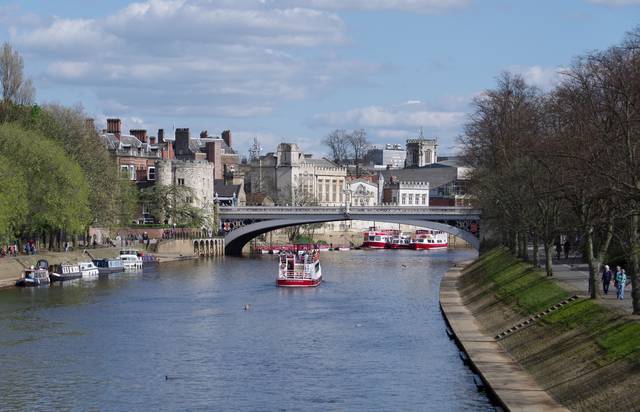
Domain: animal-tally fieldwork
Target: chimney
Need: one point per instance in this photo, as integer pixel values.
(160, 136)
(152, 140)
(182, 141)
(89, 124)
(113, 126)
(226, 136)
(213, 156)
(140, 134)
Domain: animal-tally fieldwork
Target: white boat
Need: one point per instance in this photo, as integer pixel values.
(299, 269)
(131, 259)
(88, 269)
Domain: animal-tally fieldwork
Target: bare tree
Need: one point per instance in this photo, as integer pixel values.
(359, 146)
(338, 143)
(15, 88)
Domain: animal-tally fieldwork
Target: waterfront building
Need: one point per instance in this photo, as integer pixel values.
(136, 153)
(363, 192)
(291, 177)
(447, 179)
(406, 193)
(194, 174)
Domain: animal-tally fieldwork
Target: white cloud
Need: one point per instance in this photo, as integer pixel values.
(396, 123)
(543, 77)
(194, 57)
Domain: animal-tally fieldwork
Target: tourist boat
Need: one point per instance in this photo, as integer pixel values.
(88, 270)
(343, 248)
(376, 239)
(108, 266)
(401, 241)
(64, 271)
(299, 269)
(131, 259)
(323, 248)
(430, 239)
(35, 276)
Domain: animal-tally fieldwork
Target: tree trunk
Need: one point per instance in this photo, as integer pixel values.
(591, 262)
(548, 258)
(524, 246)
(534, 258)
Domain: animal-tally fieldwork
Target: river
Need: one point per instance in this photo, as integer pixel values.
(178, 337)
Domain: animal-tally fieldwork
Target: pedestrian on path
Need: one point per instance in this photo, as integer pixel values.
(567, 248)
(621, 282)
(558, 249)
(606, 279)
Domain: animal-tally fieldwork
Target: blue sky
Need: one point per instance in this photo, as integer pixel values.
(287, 70)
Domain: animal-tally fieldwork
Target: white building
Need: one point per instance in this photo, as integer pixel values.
(291, 177)
(407, 193)
(363, 193)
(194, 174)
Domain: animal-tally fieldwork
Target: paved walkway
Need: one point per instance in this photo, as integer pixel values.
(506, 378)
(574, 276)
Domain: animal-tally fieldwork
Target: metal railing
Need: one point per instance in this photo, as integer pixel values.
(353, 210)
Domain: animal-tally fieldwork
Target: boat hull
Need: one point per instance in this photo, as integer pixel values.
(399, 246)
(56, 277)
(428, 246)
(374, 245)
(298, 283)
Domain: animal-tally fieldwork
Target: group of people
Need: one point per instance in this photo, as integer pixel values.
(12, 249)
(619, 278)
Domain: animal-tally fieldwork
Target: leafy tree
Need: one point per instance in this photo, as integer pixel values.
(171, 203)
(13, 198)
(57, 195)
(15, 88)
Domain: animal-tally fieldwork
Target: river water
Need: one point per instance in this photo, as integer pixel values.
(177, 337)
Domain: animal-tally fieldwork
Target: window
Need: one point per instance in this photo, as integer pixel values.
(189, 200)
(180, 181)
(132, 172)
(404, 199)
(320, 192)
(326, 190)
(424, 199)
(124, 171)
(410, 198)
(334, 187)
(151, 173)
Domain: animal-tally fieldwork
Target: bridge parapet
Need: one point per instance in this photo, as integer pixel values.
(353, 210)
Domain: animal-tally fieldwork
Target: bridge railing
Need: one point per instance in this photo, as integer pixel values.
(353, 210)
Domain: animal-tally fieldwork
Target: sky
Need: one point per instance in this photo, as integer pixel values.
(293, 71)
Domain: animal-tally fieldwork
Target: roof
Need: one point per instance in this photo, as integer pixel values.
(436, 174)
(256, 198)
(324, 162)
(221, 190)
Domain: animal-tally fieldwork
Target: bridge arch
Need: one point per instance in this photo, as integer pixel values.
(238, 238)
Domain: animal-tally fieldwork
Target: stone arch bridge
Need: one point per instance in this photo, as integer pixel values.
(241, 224)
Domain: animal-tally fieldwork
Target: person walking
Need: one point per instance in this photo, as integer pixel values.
(606, 279)
(558, 249)
(567, 248)
(621, 282)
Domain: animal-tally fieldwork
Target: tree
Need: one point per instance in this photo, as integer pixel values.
(13, 199)
(15, 88)
(359, 146)
(171, 203)
(338, 143)
(57, 195)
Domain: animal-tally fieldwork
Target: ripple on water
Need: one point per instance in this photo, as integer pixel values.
(177, 337)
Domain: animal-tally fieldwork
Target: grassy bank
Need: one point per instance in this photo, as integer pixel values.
(586, 355)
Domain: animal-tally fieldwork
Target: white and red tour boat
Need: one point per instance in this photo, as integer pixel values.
(377, 239)
(299, 269)
(430, 239)
(402, 241)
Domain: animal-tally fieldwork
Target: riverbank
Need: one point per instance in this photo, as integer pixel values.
(11, 267)
(583, 354)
